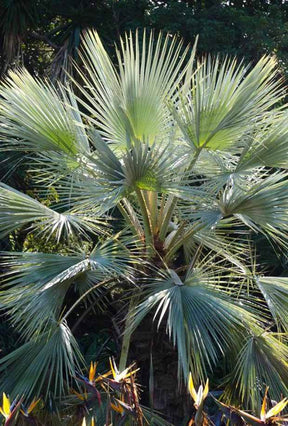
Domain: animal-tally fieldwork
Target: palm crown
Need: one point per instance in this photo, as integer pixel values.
(193, 155)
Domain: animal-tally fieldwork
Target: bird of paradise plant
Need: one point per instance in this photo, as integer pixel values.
(10, 411)
(5, 410)
(26, 411)
(128, 395)
(200, 418)
(270, 416)
(91, 423)
(118, 397)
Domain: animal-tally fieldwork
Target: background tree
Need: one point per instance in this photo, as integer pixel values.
(49, 31)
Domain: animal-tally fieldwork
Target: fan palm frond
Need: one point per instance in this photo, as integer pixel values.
(46, 364)
(34, 291)
(223, 97)
(201, 319)
(262, 206)
(35, 117)
(262, 362)
(130, 104)
(275, 292)
(36, 283)
(18, 209)
(267, 146)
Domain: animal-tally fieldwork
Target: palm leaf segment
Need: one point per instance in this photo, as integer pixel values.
(198, 303)
(184, 151)
(130, 105)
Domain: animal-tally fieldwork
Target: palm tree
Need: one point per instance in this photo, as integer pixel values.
(193, 156)
(15, 18)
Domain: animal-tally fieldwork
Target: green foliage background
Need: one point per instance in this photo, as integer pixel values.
(38, 32)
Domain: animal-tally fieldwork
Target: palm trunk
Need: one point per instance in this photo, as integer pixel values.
(127, 334)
